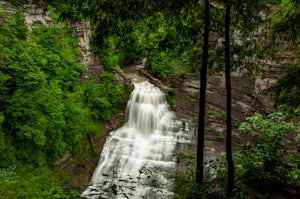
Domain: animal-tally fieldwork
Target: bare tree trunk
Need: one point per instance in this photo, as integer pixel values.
(228, 108)
(201, 119)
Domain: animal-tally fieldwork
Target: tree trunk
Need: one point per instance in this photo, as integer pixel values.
(201, 119)
(228, 108)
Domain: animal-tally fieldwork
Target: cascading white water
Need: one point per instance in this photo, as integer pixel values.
(138, 159)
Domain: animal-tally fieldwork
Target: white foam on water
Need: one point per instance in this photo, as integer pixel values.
(136, 159)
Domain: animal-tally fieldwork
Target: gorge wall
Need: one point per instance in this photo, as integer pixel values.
(249, 95)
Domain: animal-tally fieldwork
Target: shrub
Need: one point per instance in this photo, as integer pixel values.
(266, 160)
(171, 95)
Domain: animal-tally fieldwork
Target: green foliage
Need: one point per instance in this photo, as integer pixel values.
(31, 184)
(275, 1)
(38, 75)
(110, 89)
(185, 182)
(216, 114)
(287, 28)
(108, 55)
(171, 95)
(287, 88)
(102, 98)
(45, 110)
(266, 161)
(17, 2)
(245, 50)
(285, 24)
(124, 31)
(169, 40)
(164, 64)
(186, 186)
(168, 43)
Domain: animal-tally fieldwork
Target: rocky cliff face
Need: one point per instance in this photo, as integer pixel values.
(82, 32)
(36, 15)
(249, 96)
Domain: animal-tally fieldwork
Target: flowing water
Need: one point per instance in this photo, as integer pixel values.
(138, 159)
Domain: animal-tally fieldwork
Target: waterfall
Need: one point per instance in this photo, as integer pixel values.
(137, 160)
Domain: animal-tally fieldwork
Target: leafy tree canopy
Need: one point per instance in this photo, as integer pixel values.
(287, 28)
(45, 109)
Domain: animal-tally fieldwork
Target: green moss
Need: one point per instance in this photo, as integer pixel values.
(171, 95)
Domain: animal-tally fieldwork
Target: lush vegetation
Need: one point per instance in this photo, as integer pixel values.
(45, 111)
(41, 182)
(267, 162)
(286, 28)
(269, 154)
(166, 41)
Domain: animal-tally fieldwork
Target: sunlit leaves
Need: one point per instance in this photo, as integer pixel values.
(97, 95)
(46, 110)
